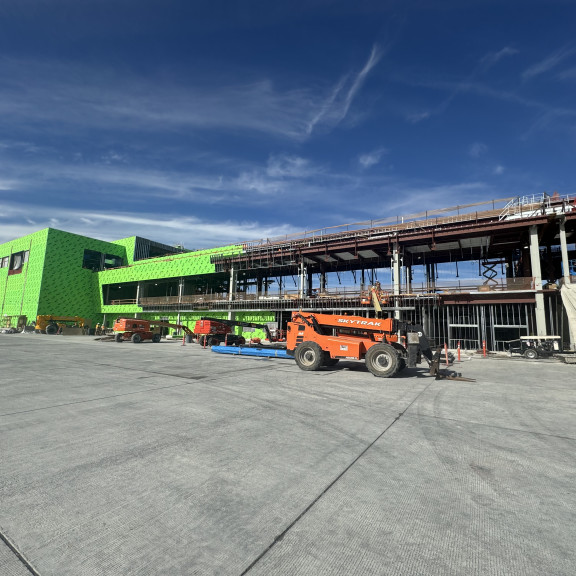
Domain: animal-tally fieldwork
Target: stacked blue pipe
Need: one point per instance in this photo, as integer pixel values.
(250, 351)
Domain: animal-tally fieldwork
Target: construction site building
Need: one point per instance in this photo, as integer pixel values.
(475, 275)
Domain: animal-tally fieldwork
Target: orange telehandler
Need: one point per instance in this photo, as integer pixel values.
(386, 345)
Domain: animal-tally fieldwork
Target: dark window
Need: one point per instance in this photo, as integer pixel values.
(92, 260)
(4, 262)
(97, 261)
(17, 262)
(111, 261)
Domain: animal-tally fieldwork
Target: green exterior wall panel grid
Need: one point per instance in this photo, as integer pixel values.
(20, 293)
(68, 288)
(164, 267)
(128, 244)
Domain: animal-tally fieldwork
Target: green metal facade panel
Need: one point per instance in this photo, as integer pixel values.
(163, 267)
(20, 293)
(170, 266)
(129, 245)
(69, 289)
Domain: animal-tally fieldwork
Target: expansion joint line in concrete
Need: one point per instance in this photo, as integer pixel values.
(26, 563)
(281, 536)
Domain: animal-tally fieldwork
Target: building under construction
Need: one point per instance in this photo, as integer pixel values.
(479, 274)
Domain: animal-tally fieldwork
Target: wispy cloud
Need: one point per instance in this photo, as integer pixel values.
(551, 118)
(548, 115)
(70, 97)
(336, 106)
(290, 166)
(548, 63)
(494, 57)
(167, 227)
(112, 180)
(8, 184)
(485, 64)
(372, 158)
(498, 170)
(569, 74)
(477, 149)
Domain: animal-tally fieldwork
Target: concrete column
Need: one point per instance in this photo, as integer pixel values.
(396, 268)
(408, 279)
(564, 250)
(180, 290)
(138, 292)
(537, 275)
(302, 280)
(322, 282)
(397, 279)
(233, 281)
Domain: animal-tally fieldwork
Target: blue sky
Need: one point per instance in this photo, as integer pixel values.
(209, 122)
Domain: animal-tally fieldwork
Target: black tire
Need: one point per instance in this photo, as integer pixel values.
(52, 329)
(531, 354)
(202, 340)
(213, 341)
(382, 360)
(401, 364)
(328, 361)
(309, 356)
(136, 338)
(156, 338)
(118, 337)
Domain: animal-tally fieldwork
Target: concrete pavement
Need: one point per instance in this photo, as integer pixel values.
(163, 459)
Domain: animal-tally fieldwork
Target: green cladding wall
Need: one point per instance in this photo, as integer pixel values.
(53, 281)
(68, 289)
(19, 293)
(163, 267)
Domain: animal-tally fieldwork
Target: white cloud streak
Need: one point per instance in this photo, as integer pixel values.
(70, 97)
(477, 149)
(548, 63)
(336, 107)
(494, 57)
(372, 158)
(498, 170)
(486, 63)
(16, 221)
